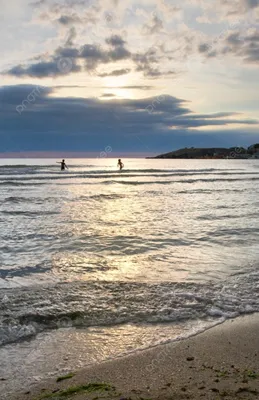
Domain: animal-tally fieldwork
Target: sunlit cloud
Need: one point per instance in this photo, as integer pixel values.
(110, 56)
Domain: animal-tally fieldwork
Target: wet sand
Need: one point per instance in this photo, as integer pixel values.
(221, 363)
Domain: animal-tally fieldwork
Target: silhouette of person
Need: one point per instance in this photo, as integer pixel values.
(63, 165)
(120, 164)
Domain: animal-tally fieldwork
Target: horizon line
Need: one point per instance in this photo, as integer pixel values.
(74, 154)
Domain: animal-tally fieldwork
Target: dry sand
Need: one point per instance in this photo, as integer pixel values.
(221, 363)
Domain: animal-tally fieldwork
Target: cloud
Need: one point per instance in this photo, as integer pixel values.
(117, 72)
(244, 46)
(169, 10)
(252, 3)
(38, 3)
(13, 95)
(43, 69)
(64, 14)
(119, 53)
(108, 95)
(154, 72)
(71, 37)
(70, 52)
(173, 37)
(87, 17)
(115, 40)
(92, 55)
(147, 63)
(155, 25)
(69, 19)
(137, 87)
(87, 124)
(204, 48)
(70, 59)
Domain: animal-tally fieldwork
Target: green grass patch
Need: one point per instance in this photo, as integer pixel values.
(63, 378)
(250, 374)
(89, 388)
(222, 374)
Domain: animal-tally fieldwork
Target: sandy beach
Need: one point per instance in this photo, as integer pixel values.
(221, 363)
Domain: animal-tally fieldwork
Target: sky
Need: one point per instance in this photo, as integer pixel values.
(146, 76)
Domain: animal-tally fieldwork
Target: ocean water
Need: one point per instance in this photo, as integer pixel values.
(96, 263)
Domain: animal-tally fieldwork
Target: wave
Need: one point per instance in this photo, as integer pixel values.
(50, 171)
(48, 181)
(210, 217)
(22, 272)
(29, 213)
(12, 183)
(113, 196)
(85, 304)
(19, 199)
(14, 199)
(209, 191)
(158, 182)
(103, 196)
(19, 166)
(98, 175)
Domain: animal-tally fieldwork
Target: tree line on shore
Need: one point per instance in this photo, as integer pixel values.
(214, 152)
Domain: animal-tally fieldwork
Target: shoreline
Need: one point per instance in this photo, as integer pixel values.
(222, 362)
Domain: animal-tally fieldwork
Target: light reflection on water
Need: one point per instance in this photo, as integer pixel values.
(179, 223)
(136, 258)
(55, 354)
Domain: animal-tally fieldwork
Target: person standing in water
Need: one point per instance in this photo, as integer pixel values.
(120, 164)
(63, 165)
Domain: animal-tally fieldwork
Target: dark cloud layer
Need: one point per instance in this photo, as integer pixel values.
(33, 120)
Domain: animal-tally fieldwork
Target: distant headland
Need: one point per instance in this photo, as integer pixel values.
(214, 153)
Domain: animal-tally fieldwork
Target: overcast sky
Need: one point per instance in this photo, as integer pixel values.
(144, 76)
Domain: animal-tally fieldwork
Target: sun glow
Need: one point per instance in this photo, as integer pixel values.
(119, 86)
(119, 93)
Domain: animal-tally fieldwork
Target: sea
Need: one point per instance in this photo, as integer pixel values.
(97, 263)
